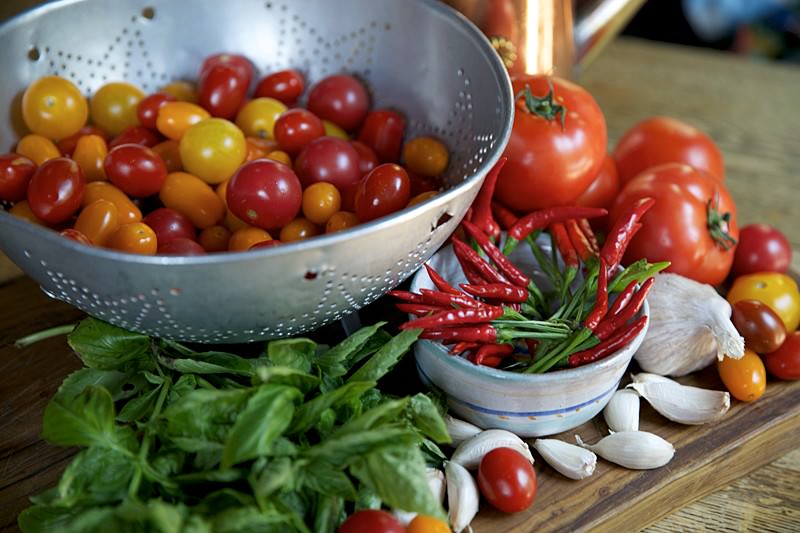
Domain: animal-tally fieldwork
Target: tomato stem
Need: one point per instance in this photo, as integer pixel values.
(544, 107)
(718, 226)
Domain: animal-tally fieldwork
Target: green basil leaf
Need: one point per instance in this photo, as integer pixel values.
(341, 448)
(284, 375)
(328, 513)
(201, 419)
(426, 417)
(138, 407)
(223, 499)
(213, 363)
(250, 520)
(367, 498)
(46, 519)
(229, 475)
(295, 353)
(386, 412)
(334, 361)
(168, 462)
(96, 476)
(325, 478)
(385, 358)
(153, 515)
(276, 475)
(121, 385)
(309, 413)
(374, 344)
(105, 347)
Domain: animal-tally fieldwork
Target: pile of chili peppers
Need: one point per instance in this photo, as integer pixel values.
(501, 309)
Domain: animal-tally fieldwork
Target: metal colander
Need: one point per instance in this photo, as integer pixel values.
(418, 56)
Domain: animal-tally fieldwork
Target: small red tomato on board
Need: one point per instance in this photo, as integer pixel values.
(778, 291)
(295, 128)
(745, 378)
(383, 131)
(328, 159)
(265, 193)
(372, 521)
(147, 111)
(507, 480)
(761, 248)
(383, 191)
(284, 85)
(242, 65)
(660, 140)
(560, 133)
(221, 91)
(55, 190)
(136, 135)
(761, 327)
(784, 363)
(15, 173)
(135, 169)
(170, 225)
(342, 99)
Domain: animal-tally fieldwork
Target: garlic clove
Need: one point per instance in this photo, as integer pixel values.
(470, 452)
(570, 460)
(436, 483)
(682, 403)
(462, 496)
(622, 411)
(643, 377)
(460, 430)
(638, 450)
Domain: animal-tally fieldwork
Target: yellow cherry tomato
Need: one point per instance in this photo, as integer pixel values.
(745, 378)
(214, 239)
(426, 156)
(134, 238)
(54, 107)
(778, 291)
(427, 524)
(103, 190)
(332, 130)
(281, 157)
(242, 239)
(320, 201)
(341, 220)
(169, 152)
(181, 90)
(257, 117)
(37, 148)
(422, 197)
(90, 153)
(174, 118)
(98, 221)
(298, 229)
(23, 210)
(113, 106)
(193, 198)
(259, 148)
(213, 149)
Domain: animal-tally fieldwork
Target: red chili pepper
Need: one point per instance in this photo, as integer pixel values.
(440, 282)
(418, 309)
(588, 232)
(482, 206)
(579, 240)
(601, 300)
(498, 291)
(489, 352)
(407, 296)
(565, 248)
(456, 317)
(469, 257)
(623, 230)
(623, 299)
(504, 264)
(504, 216)
(542, 218)
(461, 347)
(479, 333)
(472, 275)
(613, 323)
(608, 346)
(432, 297)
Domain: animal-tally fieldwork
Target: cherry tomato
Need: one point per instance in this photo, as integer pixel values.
(265, 193)
(257, 117)
(342, 99)
(258, 148)
(367, 158)
(183, 91)
(134, 238)
(98, 221)
(426, 156)
(169, 152)
(232, 222)
(239, 62)
(745, 378)
(54, 107)
(778, 291)
(214, 238)
(67, 145)
(372, 520)
(55, 190)
(114, 105)
(384, 190)
(784, 363)
(686, 226)
(383, 131)
(213, 149)
(22, 209)
(328, 159)
(193, 198)
(659, 140)
(135, 169)
(15, 173)
(265, 244)
(147, 110)
(421, 184)
(174, 118)
(90, 154)
(75, 235)
(298, 229)
(102, 190)
(136, 135)
(245, 238)
(422, 197)
(296, 128)
(37, 148)
(281, 157)
(320, 201)
(221, 90)
(180, 246)
(332, 130)
(427, 524)
(507, 480)
(284, 85)
(761, 248)
(761, 327)
(540, 148)
(341, 220)
(170, 225)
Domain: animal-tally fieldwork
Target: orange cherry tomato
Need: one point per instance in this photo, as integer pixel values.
(777, 290)
(242, 239)
(232, 222)
(90, 153)
(102, 190)
(214, 239)
(427, 524)
(257, 117)
(213, 149)
(181, 90)
(23, 210)
(320, 201)
(745, 378)
(298, 229)
(426, 156)
(193, 198)
(422, 197)
(54, 107)
(113, 107)
(135, 238)
(98, 221)
(341, 220)
(168, 151)
(37, 148)
(174, 118)
(280, 156)
(258, 148)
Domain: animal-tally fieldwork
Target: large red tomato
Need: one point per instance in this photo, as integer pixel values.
(557, 144)
(692, 224)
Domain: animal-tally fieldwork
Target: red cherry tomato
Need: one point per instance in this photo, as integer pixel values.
(384, 190)
(264, 193)
(15, 173)
(761, 248)
(784, 363)
(507, 480)
(660, 140)
(342, 99)
(75, 235)
(222, 90)
(170, 225)
(383, 131)
(180, 246)
(284, 85)
(135, 169)
(242, 65)
(421, 184)
(136, 135)
(328, 159)
(147, 111)
(56, 190)
(761, 327)
(367, 158)
(296, 128)
(67, 145)
(372, 521)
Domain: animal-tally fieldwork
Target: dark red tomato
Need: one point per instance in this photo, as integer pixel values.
(170, 225)
(135, 169)
(686, 225)
(328, 159)
(507, 480)
(371, 521)
(784, 363)
(383, 131)
(296, 128)
(56, 190)
(342, 99)
(242, 65)
(147, 111)
(761, 248)
(136, 135)
(67, 145)
(15, 173)
(265, 193)
(221, 91)
(367, 158)
(75, 235)
(421, 184)
(660, 140)
(284, 85)
(761, 327)
(552, 157)
(180, 247)
(384, 190)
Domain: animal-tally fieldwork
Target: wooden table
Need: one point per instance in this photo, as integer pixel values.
(749, 110)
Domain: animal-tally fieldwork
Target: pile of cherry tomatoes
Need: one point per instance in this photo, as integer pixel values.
(212, 166)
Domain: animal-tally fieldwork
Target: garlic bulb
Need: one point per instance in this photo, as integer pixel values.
(570, 460)
(637, 450)
(622, 411)
(690, 326)
(682, 403)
